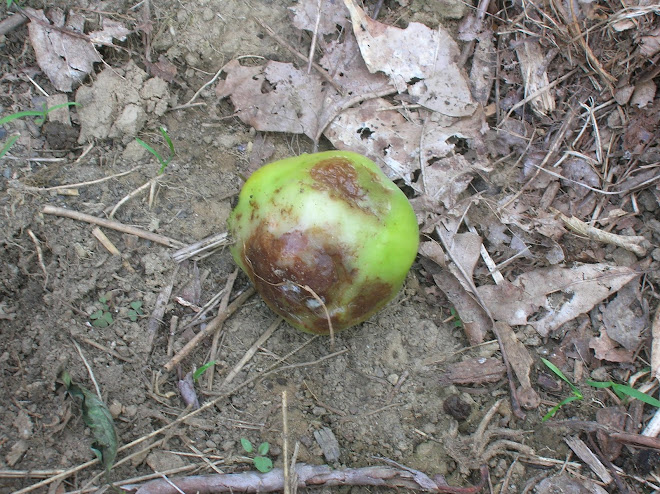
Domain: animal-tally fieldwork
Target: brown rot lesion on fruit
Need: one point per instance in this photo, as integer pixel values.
(372, 297)
(341, 180)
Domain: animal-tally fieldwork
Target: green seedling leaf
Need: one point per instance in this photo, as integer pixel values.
(197, 374)
(263, 464)
(163, 162)
(561, 375)
(263, 448)
(35, 113)
(577, 395)
(556, 408)
(168, 140)
(10, 142)
(98, 418)
(135, 310)
(247, 445)
(622, 389)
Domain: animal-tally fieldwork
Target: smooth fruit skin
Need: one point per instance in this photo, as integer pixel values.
(327, 227)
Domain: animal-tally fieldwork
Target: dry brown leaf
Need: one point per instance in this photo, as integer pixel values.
(333, 14)
(68, 58)
(644, 94)
(477, 370)
(347, 68)
(611, 418)
(625, 317)
(377, 129)
(445, 179)
(111, 30)
(417, 59)
(476, 322)
(554, 295)
(274, 97)
(650, 44)
(521, 363)
(64, 58)
(605, 348)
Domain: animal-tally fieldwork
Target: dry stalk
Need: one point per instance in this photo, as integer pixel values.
(285, 443)
(634, 243)
(113, 225)
(40, 255)
(209, 329)
(251, 351)
(205, 245)
(216, 336)
(130, 196)
(28, 188)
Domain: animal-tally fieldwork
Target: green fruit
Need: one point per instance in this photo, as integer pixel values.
(326, 231)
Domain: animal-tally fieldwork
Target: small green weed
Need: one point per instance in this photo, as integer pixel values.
(577, 395)
(261, 462)
(622, 391)
(43, 114)
(456, 321)
(163, 162)
(102, 318)
(99, 420)
(198, 373)
(135, 311)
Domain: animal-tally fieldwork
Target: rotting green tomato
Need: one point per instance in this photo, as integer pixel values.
(326, 231)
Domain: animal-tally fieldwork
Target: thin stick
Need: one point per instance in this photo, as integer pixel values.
(634, 243)
(89, 370)
(40, 255)
(251, 351)
(72, 186)
(199, 91)
(210, 328)
(105, 241)
(205, 245)
(285, 443)
(131, 195)
(216, 336)
(12, 22)
(104, 349)
(156, 317)
(314, 35)
(113, 225)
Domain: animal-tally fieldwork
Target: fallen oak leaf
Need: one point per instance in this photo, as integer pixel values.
(418, 59)
(556, 295)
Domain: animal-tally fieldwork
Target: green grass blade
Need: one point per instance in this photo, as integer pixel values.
(61, 105)
(626, 390)
(168, 140)
(554, 409)
(151, 150)
(202, 369)
(10, 142)
(561, 375)
(20, 114)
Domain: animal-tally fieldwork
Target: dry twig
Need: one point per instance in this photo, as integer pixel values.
(208, 330)
(308, 476)
(113, 225)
